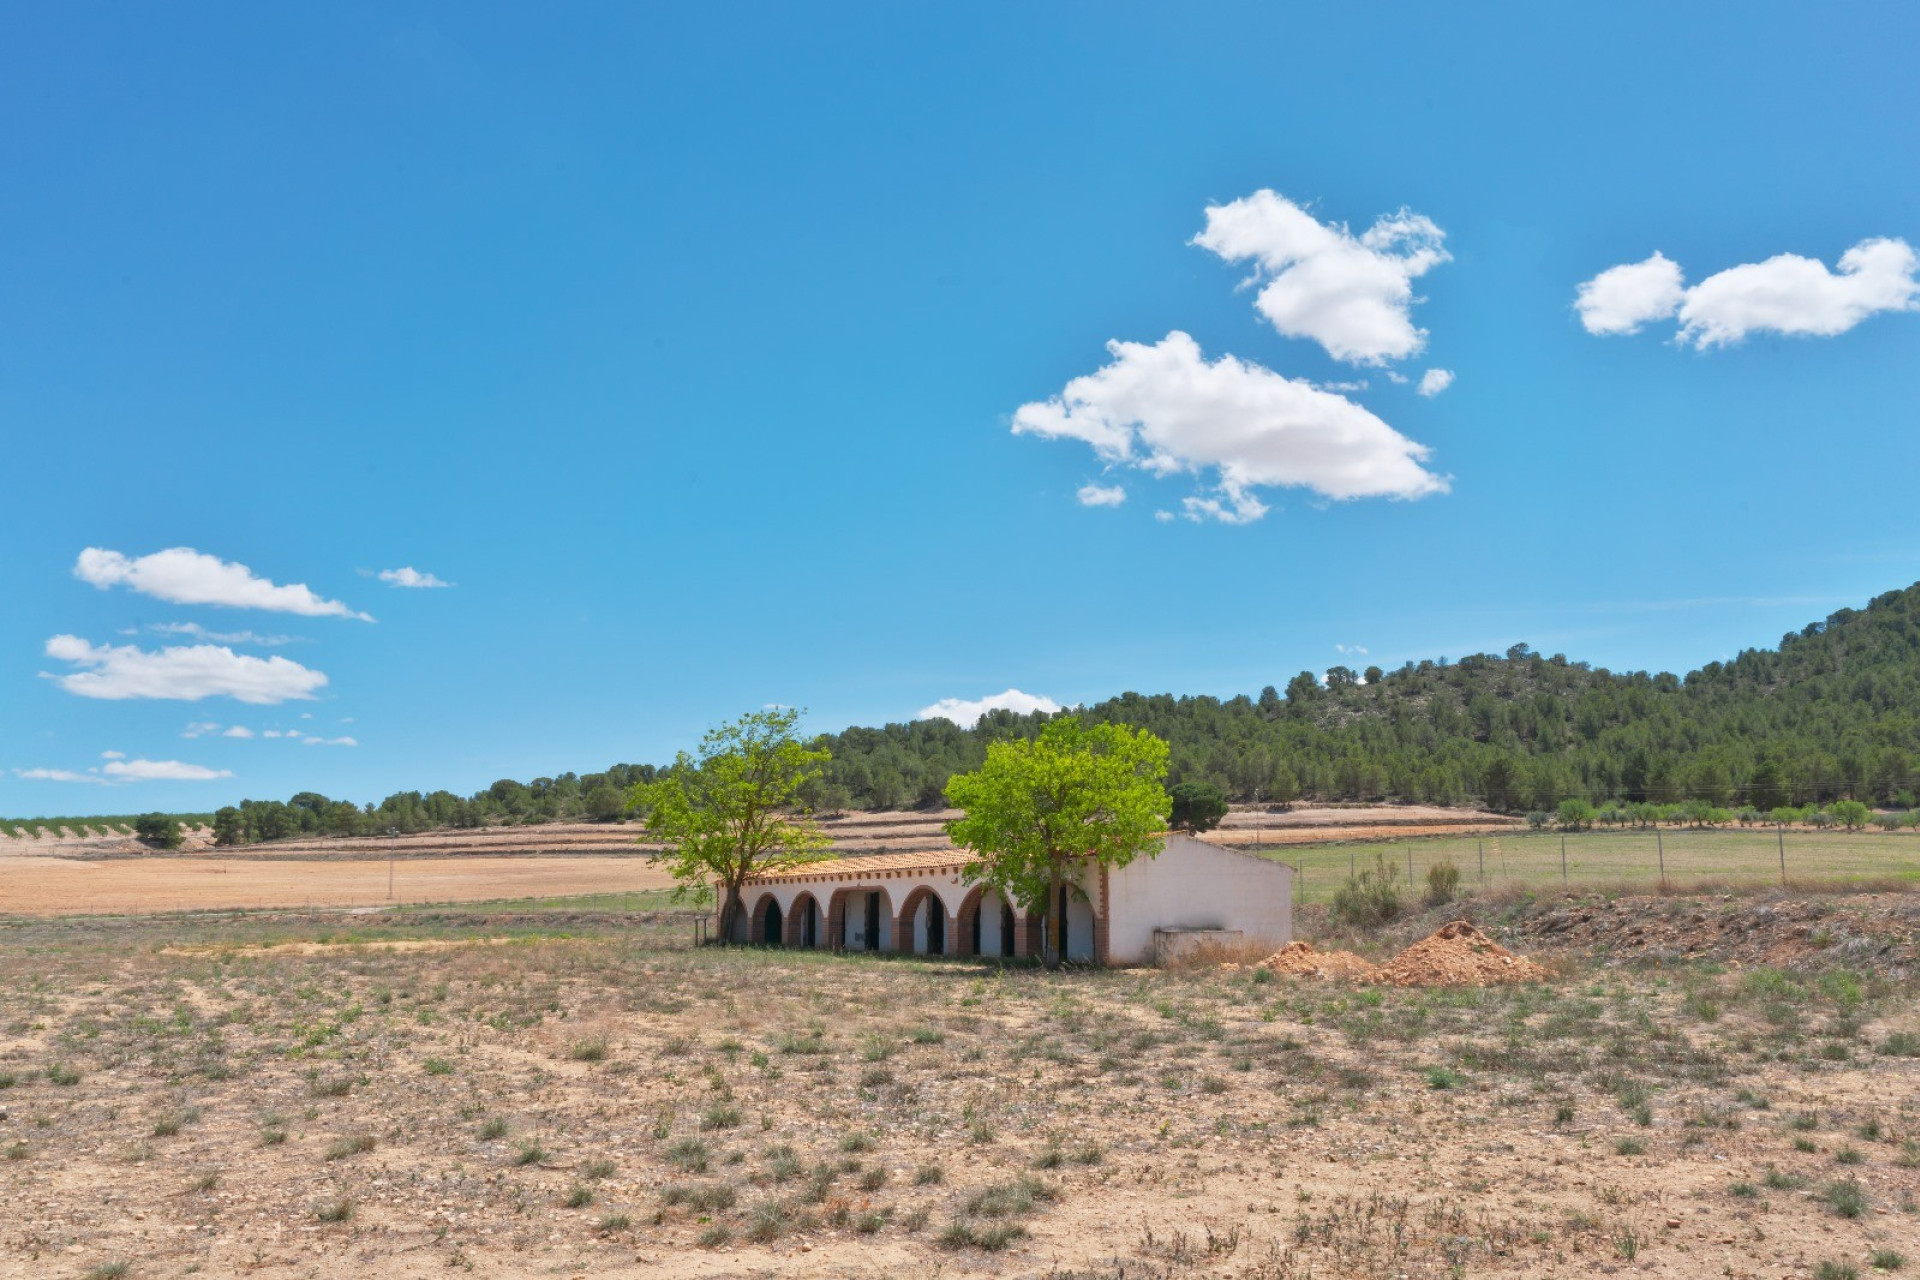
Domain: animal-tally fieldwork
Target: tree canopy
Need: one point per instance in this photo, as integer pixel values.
(1070, 793)
(735, 810)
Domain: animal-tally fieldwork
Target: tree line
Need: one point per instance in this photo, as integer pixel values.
(1832, 714)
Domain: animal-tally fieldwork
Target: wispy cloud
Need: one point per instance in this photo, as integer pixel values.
(410, 577)
(119, 770)
(195, 631)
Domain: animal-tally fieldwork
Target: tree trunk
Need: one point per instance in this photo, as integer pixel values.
(729, 912)
(1052, 951)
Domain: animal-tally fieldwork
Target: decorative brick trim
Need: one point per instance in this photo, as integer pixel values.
(1101, 928)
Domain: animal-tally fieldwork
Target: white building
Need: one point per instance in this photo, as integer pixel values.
(922, 903)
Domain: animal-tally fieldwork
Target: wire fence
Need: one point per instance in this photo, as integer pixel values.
(1647, 859)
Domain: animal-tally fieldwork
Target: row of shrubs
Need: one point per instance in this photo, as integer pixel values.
(1372, 897)
(1576, 815)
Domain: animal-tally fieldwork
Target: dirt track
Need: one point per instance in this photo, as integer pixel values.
(66, 886)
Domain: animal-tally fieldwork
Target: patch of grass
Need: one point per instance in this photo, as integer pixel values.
(579, 1196)
(1887, 1259)
(705, 1197)
(592, 1049)
(1010, 1199)
(873, 1179)
(689, 1154)
(858, 1141)
(991, 1237)
(18, 1151)
(169, 1123)
(1830, 1270)
(1848, 1155)
(1805, 1122)
(437, 1067)
(1630, 1147)
(1743, 1190)
(529, 1151)
(1805, 1146)
(928, 1175)
(493, 1129)
(597, 1170)
(720, 1115)
(1846, 1197)
(1775, 1180)
(768, 1221)
(929, 1035)
(357, 1144)
(114, 1270)
(63, 1075)
(1443, 1078)
(1901, 1044)
(336, 1210)
(715, 1235)
(613, 1222)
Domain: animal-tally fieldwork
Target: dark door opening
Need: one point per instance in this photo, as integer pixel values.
(936, 929)
(1066, 930)
(770, 931)
(873, 922)
(976, 930)
(810, 925)
(1006, 929)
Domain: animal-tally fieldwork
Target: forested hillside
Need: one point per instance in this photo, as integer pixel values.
(1833, 713)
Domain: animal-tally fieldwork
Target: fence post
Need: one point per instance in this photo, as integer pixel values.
(1783, 852)
(1563, 859)
(1409, 864)
(1483, 860)
(1661, 845)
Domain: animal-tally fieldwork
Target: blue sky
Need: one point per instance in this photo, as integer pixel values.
(688, 347)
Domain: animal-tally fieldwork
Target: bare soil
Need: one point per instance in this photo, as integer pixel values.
(572, 1094)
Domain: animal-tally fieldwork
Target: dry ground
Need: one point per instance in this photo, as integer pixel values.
(577, 1093)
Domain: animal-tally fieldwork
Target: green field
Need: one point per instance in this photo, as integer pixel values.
(1630, 859)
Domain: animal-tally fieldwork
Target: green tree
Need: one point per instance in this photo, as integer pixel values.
(229, 828)
(1576, 813)
(1074, 793)
(1851, 814)
(159, 830)
(604, 803)
(734, 810)
(1197, 806)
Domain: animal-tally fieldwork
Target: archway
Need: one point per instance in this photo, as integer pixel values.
(763, 922)
(922, 925)
(860, 918)
(805, 928)
(1076, 944)
(984, 924)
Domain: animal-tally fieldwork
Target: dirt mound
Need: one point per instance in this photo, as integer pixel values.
(1457, 955)
(1300, 960)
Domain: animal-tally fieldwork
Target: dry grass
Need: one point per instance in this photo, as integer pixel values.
(615, 1102)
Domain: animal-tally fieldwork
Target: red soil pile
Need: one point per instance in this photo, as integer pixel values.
(1300, 960)
(1457, 955)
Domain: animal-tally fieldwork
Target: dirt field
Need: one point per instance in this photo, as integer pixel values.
(65, 886)
(583, 1094)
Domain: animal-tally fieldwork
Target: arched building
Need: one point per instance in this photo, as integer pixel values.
(921, 903)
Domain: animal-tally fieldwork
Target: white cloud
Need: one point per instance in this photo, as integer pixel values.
(162, 771)
(1166, 410)
(1351, 649)
(1351, 294)
(1101, 495)
(966, 714)
(198, 632)
(1786, 294)
(182, 575)
(1622, 299)
(113, 755)
(200, 728)
(57, 775)
(236, 731)
(183, 673)
(410, 577)
(1434, 381)
(313, 741)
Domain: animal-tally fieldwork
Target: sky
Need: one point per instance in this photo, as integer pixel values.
(408, 396)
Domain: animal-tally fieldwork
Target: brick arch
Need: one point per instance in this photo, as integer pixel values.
(796, 925)
(837, 910)
(903, 922)
(757, 921)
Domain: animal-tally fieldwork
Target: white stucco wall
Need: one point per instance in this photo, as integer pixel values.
(1195, 885)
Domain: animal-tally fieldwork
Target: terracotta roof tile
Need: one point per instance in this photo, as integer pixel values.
(859, 868)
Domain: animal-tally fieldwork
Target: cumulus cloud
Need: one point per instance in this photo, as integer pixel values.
(161, 771)
(1786, 294)
(181, 575)
(1434, 381)
(1351, 294)
(410, 577)
(184, 673)
(1166, 410)
(57, 775)
(1624, 298)
(967, 713)
(1101, 495)
(313, 741)
(236, 731)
